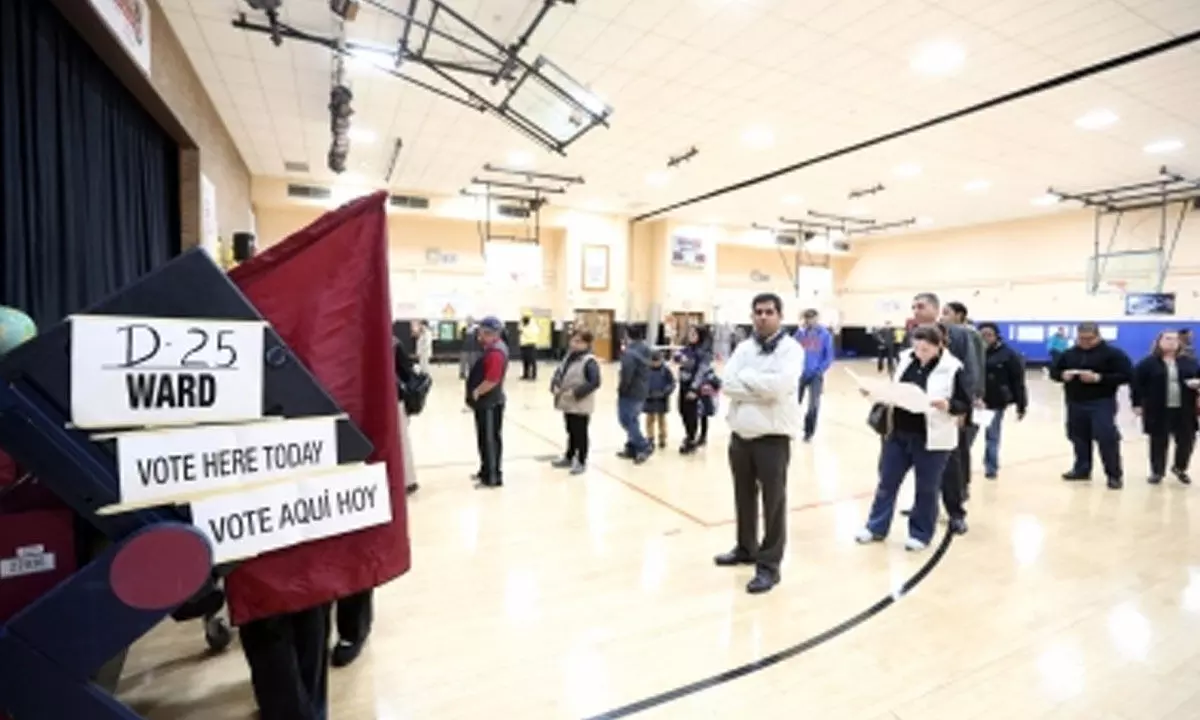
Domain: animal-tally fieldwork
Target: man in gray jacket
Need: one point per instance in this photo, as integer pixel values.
(927, 311)
(955, 314)
(632, 388)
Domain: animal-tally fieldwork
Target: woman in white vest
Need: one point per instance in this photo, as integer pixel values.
(574, 387)
(919, 438)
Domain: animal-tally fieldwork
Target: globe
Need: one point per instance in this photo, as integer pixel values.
(15, 328)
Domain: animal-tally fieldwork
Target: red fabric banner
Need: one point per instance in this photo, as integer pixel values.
(325, 290)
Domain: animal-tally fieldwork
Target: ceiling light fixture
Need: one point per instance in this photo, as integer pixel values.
(1096, 119)
(1046, 200)
(938, 58)
(758, 137)
(520, 159)
(977, 186)
(657, 179)
(1161, 147)
(907, 170)
(791, 199)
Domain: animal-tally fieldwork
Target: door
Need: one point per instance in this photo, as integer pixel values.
(599, 323)
(681, 321)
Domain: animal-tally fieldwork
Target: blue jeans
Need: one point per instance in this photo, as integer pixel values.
(901, 452)
(815, 385)
(991, 443)
(1095, 421)
(628, 412)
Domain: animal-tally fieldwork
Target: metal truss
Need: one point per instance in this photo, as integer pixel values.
(521, 187)
(1170, 188)
(820, 223)
(481, 56)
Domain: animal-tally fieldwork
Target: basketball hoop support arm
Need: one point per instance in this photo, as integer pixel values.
(1170, 188)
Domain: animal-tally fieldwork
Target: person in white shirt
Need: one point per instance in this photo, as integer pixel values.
(760, 381)
(424, 346)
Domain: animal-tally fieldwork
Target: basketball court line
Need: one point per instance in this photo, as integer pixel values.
(787, 653)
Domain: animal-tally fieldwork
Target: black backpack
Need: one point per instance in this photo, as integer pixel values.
(414, 392)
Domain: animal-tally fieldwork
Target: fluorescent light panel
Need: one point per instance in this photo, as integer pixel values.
(1096, 119)
(939, 58)
(1160, 147)
(907, 170)
(977, 185)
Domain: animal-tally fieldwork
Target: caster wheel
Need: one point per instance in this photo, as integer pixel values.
(217, 634)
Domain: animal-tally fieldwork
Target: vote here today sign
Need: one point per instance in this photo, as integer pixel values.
(159, 467)
(144, 371)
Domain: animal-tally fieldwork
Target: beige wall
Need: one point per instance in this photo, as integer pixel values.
(177, 83)
(1025, 269)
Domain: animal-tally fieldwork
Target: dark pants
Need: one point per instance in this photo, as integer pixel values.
(761, 463)
(695, 420)
(956, 474)
(887, 354)
(289, 664)
(899, 453)
(577, 436)
(1174, 424)
(354, 617)
(1090, 422)
(966, 439)
(489, 426)
(629, 410)
(815, 385)
(529, 362)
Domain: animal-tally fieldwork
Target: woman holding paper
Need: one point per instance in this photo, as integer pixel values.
(928, 399)
(1163, 392)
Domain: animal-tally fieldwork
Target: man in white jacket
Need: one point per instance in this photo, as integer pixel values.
(760, 381)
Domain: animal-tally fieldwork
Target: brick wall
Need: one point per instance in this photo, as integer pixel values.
(218, 157)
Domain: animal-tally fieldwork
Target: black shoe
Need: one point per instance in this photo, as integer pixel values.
(807, 438)
(345, 653)
(411, 489)
(733, 557)
(625, 455)
(1154, 479)
(642, 457)
(662, 443)
(1115, 483)
(562, 462)
(990, 475)
(958, 526)
(701, 442)
(687, 448)
(1072, 476)
(764, 580)
(906, 512)
(490, 483)
(1182, 476)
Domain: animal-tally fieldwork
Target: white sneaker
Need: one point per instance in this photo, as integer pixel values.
(914, 545)
(865, 537)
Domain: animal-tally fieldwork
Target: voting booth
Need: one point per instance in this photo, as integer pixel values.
(177, 422)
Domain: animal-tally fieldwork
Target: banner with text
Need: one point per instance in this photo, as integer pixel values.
(276, 516)
(137, 372)
(167, 466)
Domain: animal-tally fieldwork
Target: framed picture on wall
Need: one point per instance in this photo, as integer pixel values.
(594, 275)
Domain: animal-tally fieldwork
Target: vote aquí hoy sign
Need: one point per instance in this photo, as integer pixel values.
(182, 399)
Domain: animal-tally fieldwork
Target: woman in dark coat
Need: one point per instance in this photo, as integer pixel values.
(1164, 396)
(695, 364)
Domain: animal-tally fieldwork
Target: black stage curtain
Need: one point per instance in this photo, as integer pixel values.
(89, 182)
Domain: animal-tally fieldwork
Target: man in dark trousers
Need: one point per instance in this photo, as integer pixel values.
(530, 333)
(955, 313)
(1091, 373)
(760, 381)
(633, 386)
(926, 309)
(485, 395)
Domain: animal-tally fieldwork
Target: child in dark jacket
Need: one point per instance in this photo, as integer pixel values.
(662, 384)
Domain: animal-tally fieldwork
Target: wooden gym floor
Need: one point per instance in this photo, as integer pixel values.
(570, 597)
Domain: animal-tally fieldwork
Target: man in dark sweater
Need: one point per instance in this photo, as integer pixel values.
(485, 396)
(1091, 373)
(632, 389)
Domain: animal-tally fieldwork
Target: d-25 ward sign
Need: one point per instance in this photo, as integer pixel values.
(142, 371)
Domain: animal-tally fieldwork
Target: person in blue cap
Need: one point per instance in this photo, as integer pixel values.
(485, 396)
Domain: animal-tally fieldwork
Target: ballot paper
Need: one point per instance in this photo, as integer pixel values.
(905, 396)
(982, 417)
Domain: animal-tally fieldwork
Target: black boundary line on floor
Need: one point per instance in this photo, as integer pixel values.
(785, 654)
(1027, 91)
